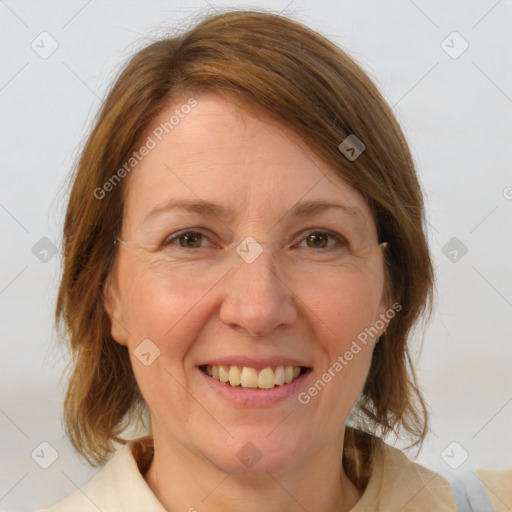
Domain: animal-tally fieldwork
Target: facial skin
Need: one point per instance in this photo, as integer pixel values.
(293, 301)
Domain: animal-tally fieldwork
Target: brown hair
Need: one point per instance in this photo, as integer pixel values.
(307, 83)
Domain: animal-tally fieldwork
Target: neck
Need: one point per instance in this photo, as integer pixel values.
(186, 481)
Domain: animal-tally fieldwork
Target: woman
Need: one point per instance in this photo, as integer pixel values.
(244, 259)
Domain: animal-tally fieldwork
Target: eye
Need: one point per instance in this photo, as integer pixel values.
(320, 240)
(186, 240)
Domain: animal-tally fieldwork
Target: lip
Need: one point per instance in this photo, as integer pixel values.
(250, 397)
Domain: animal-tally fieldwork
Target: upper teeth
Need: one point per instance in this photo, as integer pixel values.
(247, 377)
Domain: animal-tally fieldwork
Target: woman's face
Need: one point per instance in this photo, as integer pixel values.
(204, 307)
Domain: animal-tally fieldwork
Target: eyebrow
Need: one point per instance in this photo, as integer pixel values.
(302, 209)
(317, 206)
(190, 205)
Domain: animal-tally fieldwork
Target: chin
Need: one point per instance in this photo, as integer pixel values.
(256, 454)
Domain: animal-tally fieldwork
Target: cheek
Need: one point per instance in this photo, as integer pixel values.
(167, 313)
(345, 305)
(343, 313)
(157, 307)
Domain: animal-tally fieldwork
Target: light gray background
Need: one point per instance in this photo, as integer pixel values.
(456, 113)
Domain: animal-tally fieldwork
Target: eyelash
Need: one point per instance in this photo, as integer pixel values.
(169, 240)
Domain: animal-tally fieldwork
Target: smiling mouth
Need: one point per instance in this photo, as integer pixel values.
(247, 377)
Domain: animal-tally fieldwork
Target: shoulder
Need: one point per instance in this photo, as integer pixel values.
(119, 486)
(397, 483)
(498, 484)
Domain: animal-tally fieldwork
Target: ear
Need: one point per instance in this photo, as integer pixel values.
(388, 307)
(114, 309)
(382, 321)
(385, 312)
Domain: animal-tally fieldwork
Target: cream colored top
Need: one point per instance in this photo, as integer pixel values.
(498, 485)
(396, 484)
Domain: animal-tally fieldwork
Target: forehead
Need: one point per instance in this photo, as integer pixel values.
(222, 153)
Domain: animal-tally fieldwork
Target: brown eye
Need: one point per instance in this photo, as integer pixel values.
(323, 240)
(317, 240)
(190, 240)
(186, 240)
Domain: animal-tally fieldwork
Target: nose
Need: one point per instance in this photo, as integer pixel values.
(257, 299)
